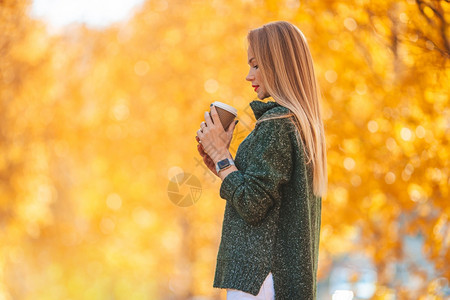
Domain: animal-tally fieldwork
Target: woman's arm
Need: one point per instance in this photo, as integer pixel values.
(269, 165)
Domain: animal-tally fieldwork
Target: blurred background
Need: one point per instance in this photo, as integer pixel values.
(104, 196)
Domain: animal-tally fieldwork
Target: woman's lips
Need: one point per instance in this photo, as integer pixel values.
(256, 87)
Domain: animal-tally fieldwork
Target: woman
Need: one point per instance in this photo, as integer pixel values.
(273, 192)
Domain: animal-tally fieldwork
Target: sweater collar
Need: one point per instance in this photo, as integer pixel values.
(260, 107)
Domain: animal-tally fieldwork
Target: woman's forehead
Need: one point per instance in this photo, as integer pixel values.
(249, 52)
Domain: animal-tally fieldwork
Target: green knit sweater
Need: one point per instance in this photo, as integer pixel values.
(272, 219)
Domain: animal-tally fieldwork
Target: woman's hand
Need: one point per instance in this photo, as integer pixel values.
(214, 139)
(206, 159)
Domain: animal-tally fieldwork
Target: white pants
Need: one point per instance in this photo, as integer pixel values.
(266, 292)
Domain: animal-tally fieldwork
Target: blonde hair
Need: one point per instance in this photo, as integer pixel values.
(287, 72)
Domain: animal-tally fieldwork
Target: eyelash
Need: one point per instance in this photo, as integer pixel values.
(256, 67)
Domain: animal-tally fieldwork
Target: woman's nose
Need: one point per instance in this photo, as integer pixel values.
(249, 77)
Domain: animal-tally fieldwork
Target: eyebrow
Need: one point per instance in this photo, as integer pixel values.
(250, 60)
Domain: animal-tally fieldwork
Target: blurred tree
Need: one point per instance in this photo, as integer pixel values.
(96, 122)
(386, 84)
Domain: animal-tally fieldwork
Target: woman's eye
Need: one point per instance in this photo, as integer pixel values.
(255, 66)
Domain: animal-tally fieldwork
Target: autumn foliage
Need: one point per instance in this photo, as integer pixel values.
(95, 123)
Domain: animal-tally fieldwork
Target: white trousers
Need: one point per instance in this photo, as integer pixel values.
(266, 292)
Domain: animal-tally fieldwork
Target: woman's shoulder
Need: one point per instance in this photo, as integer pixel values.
(279, 123)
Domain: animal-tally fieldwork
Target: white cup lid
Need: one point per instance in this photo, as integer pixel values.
(227, 107)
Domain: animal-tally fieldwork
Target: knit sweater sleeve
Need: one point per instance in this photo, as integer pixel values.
(269, 164)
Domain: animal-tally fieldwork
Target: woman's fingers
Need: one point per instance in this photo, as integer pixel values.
(200, 150)
(208, 162)
(201, 146)
(206, 158)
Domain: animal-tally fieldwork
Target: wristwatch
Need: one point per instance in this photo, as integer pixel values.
(224, 164)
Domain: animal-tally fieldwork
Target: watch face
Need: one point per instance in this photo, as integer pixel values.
(223, 163)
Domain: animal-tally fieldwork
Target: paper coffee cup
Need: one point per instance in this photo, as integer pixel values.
(226, 113)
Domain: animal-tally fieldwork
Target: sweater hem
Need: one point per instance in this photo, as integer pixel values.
(242, 275)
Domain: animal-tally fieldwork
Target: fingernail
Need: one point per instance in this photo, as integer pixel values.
(210, 105)
(237, 121)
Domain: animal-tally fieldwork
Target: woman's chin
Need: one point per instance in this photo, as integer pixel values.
(262, 97)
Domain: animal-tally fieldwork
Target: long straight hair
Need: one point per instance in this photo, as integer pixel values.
(287, 72)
